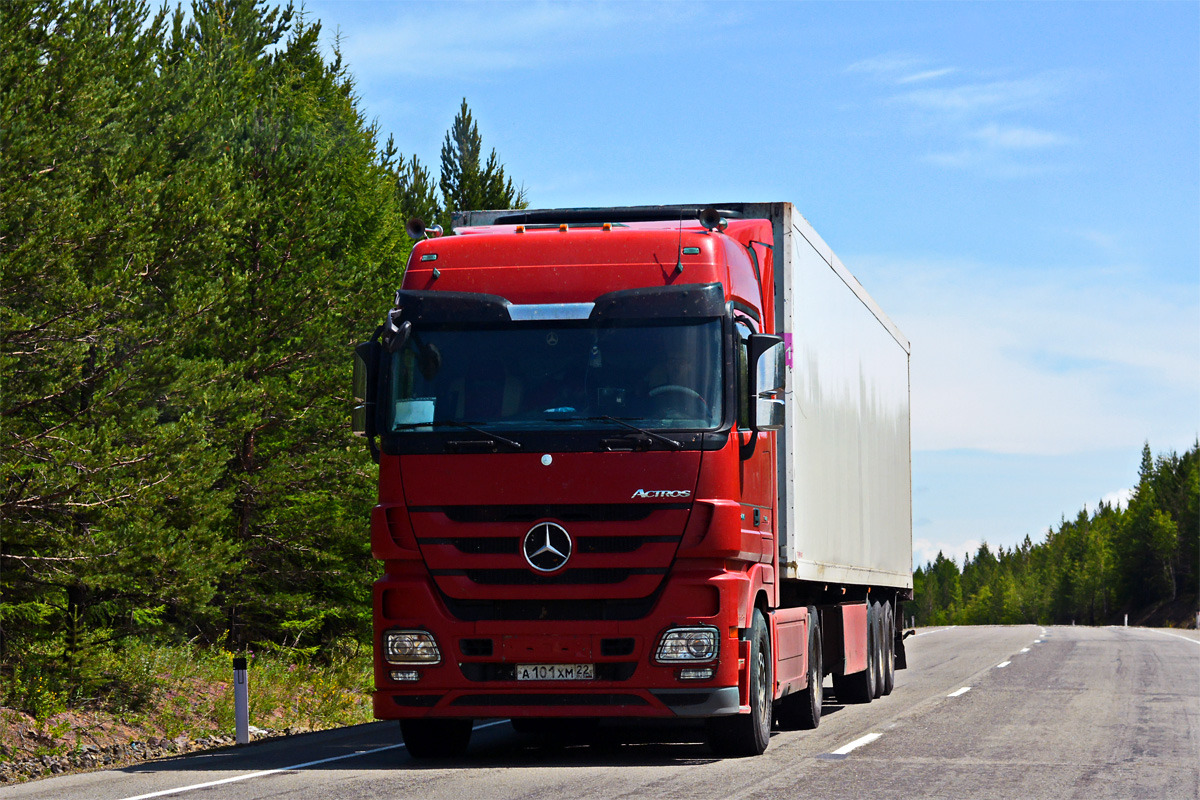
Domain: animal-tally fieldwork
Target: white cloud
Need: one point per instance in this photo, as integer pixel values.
(1117, 499)
(927, 75)
(990, 97)
(886, 64)
(972, 123)
(479, 40)
(925, 551)
(1017, 138)
(1016, 361)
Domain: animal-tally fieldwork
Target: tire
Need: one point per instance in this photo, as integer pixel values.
(859, 687)
(436, 738)
(749, 734)
(879, 650)
(889, 644)
(802, 710)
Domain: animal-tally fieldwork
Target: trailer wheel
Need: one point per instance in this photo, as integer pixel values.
(803, 709)
(436, 738)
(859, 687)
(879, 650)
(889, 649)
(749, 734)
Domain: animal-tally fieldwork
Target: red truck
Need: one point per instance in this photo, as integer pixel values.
(636, 462)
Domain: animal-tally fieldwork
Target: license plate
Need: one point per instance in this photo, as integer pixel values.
(556, 672)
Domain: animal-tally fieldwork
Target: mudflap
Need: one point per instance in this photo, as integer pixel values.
(901, 661)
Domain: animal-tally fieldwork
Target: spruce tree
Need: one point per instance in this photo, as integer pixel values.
(468, 182)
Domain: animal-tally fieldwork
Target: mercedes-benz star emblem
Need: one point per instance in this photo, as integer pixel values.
(547, 547)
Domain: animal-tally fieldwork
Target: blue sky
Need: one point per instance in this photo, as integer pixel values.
(1017, 184)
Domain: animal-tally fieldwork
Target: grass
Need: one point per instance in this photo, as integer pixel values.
(143, 690)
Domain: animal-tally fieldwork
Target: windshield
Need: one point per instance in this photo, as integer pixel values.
(537, 376)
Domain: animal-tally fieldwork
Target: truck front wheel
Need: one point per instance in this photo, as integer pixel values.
(749, 734)
(436, 738)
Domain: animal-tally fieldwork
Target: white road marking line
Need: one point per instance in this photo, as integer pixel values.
(857, 743)
(236, 778)
(958, 692)
(1174, 635)
(1024, 649)
(1003, 664)
(939, 630)
(1037, 641)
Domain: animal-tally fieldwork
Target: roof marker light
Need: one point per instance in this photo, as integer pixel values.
(564, 228)
(606, 226)
(519, 229)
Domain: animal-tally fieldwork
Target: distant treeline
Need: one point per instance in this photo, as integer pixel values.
(197, 224)
(1142, 560)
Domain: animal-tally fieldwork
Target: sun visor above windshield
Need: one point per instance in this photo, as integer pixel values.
(686, 301)
(450, 307)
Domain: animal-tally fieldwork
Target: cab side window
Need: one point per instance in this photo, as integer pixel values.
(742, 332)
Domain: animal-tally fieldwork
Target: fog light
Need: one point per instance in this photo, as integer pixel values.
(687, 644)
(405, 675)
(410, 647)
(696, 673)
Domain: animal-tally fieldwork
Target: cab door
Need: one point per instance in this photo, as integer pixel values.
(757, 475)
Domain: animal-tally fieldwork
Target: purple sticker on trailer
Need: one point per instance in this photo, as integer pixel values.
(787, 349)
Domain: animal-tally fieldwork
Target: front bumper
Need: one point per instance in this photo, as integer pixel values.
(476, 676)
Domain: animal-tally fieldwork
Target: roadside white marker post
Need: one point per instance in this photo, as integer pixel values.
(241, 701)
(1126, 620)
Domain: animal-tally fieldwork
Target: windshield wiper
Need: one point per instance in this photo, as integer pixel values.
(666, 440)
(453, 423)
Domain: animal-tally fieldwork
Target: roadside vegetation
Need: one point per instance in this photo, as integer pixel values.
(149, 701)
(1142, 560)
(197, 223)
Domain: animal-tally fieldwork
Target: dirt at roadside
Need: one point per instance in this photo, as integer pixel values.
(77, 741)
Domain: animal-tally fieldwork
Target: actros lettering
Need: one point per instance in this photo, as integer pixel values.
(644, 493)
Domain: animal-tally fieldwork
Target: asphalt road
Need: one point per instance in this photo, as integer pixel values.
(985, 712)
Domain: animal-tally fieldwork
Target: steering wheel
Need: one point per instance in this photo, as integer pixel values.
(673, 388)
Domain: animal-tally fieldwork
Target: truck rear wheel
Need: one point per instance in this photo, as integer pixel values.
(859, 687)
(889, 649)
(749, 734)
(803, 709)
(436, 738)
(879, 651)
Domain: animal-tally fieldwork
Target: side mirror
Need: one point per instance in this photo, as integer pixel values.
(366, 369)
(395, 336)
(767, 381)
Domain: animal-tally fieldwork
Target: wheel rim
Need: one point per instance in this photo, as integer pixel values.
(760, 668)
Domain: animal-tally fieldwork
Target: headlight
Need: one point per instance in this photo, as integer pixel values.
(687, 644)
(410, 647)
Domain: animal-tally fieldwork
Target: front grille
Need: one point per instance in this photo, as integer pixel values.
(616, 647)
(482, 545)
(475, 647)
(505, 545)
(619, 544)
(549, 700)
(606, 512)
(495, 671)
(570, 577)
(416, 700)
(555, 610)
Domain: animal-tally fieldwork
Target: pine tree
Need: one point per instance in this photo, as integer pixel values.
(467, 182)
